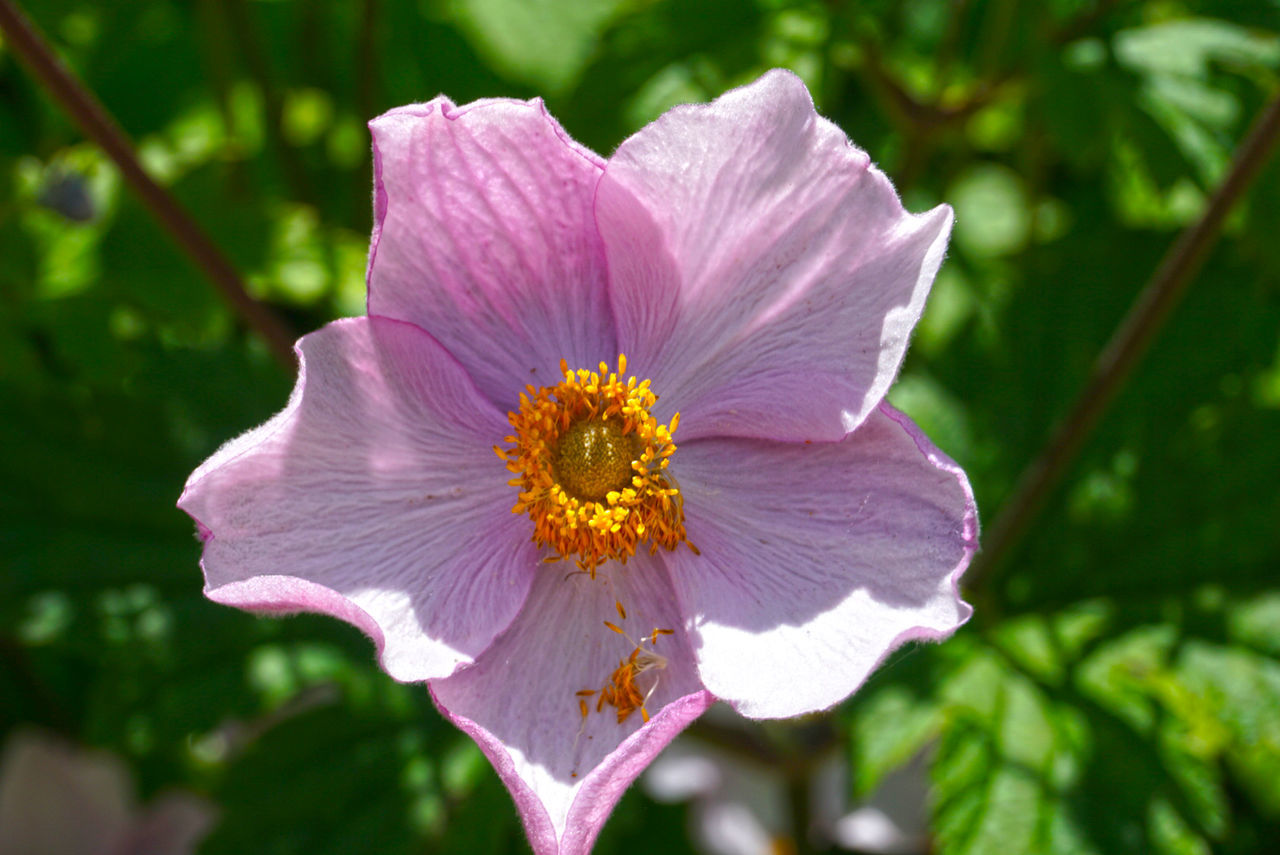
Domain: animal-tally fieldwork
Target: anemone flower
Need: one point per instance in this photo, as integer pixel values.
(56, 799)
(611, 441)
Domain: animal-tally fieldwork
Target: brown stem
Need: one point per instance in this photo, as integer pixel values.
(216, 56)
(368, 96)
(38, 695)
(1127, 345)
(367, 61)
(915, 114)
(1084, 23)
(240, 22)
(745, 741)
(949, 46)
(97, 124)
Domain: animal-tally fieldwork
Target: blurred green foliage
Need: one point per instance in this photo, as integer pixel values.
(1119, 689)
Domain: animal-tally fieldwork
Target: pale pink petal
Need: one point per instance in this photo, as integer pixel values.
(173, 825)
(518, 701)
(763, 274)
(818, 559)
(375, 496)
(57, 800)
(484, 236)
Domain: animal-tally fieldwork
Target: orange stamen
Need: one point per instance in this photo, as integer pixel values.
(593, 507)
(621, 690)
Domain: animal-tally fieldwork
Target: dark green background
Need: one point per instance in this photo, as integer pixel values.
(1118, 692)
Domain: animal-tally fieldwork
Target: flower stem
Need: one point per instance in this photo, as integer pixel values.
(97, 124)
(1116, 361)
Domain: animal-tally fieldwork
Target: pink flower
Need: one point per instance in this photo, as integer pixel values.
(58, 800)
(787, 533)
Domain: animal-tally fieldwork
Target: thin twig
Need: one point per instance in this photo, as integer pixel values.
(926, 116)
(368, 96)
(367, 61)
(1127, 345)
(97, 124)
(745, 741)
(245, 35)
(921, 115)
(38, 695)
(1084, 23)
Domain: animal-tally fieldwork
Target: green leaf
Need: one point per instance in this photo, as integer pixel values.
(546, 43)
(1239, 692)
(1128, 754)
(894, 718)
(345, 779)
(1005, 757)
(1188, 46)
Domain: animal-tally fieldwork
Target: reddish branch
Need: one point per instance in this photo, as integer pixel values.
(1127, 345)
(98, 125)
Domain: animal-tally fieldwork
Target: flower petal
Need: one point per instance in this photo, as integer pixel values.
(173, 825)
(375, 496)
(518, 701)
(763, 274)
(818, 559)
(57, 800)
(484, 236)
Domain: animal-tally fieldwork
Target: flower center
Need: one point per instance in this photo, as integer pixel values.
(594, 459)
(591, 467)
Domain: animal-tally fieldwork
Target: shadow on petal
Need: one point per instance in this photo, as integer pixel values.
(375, 497)
(817, 559)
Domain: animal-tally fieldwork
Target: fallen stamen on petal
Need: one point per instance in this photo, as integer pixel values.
(591, 467)
(621, 691)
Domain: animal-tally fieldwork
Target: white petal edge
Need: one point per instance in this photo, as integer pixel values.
(818, 560)
(518, 701)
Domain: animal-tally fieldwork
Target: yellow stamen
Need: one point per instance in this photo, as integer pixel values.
(591, 466)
